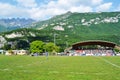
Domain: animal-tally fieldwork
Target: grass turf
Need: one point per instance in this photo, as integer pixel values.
(59, 68)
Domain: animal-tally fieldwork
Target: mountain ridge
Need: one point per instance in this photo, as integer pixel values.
(79, 19)
(9, 24)
(71, 28)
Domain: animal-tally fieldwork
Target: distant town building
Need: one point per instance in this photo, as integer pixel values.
(2, 41)
(2, 51)
(17, 52)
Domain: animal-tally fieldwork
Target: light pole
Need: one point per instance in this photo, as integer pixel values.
(46, 53)
(55, 39)
(66, 44)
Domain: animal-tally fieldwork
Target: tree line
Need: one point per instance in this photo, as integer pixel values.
(41, 47)
(36, 46)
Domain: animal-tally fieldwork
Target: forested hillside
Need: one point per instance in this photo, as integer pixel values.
(70, 28)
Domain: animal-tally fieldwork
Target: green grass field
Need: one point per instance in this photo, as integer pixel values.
(59, 68)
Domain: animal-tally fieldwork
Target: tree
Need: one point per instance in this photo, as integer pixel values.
(36, 47)
(7, 46)
(22, 44)
(51, 48)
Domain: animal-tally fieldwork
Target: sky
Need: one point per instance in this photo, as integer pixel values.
(45, 9)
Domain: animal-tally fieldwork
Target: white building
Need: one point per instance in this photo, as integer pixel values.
(17, 52)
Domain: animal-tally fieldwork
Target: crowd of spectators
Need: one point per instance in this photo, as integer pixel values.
(95, 52)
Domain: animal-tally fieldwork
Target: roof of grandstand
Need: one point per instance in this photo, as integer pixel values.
(94, 42)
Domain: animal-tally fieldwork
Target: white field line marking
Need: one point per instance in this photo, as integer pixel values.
(115, 65)
(38, 62)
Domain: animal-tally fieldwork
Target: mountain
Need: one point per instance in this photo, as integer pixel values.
(14, 23)
(2, 28)
(84, 26)
(75, 20)
(70, 28)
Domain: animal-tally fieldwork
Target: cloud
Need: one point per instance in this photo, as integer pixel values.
(104, 7)
(118, 8)
(58, 7)
(96, 2)
(81, 2)
(81, 9)
(42, 14)
(27, 3)
(45, 10)
(8, 10)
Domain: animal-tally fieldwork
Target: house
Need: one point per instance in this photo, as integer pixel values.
(22, 52)
(17, 52)
(2, 51)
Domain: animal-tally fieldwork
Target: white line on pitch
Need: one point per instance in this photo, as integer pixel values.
(115, 65)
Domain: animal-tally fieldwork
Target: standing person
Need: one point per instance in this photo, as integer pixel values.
(46, 55)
